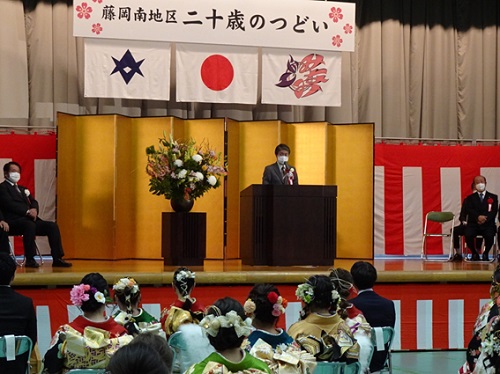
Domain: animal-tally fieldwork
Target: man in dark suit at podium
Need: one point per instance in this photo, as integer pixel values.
(481, 208)
(280, 172)
(378, 311)
(20, 210)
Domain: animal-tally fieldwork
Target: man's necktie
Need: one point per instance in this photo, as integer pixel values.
(481, 196)
(283, 170)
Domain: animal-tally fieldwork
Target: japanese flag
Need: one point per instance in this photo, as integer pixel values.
(127, 69)
(216, 74)
(299, 77)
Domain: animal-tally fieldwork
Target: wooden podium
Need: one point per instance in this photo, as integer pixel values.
(288, 225)
(183, 238)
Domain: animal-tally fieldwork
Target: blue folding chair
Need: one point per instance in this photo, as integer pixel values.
(382, 340)
(325, 367)
(12, 347)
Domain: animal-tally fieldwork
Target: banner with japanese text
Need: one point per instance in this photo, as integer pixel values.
(299, 77)
(291, 24)
(127, 69)
(216, 73)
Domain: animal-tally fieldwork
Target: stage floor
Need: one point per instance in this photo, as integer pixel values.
(154, 272)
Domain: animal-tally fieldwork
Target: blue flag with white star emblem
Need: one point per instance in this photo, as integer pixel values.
(127, 69)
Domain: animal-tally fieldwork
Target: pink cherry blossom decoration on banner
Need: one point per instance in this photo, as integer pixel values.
(83, 11)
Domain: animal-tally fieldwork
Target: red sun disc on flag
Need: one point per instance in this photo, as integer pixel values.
(217, 72)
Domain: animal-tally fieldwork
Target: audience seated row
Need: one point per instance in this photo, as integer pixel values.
(334, 326)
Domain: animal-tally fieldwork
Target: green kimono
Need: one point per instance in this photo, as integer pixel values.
(216, 363)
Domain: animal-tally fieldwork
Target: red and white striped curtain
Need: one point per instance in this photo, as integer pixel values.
(411, 180)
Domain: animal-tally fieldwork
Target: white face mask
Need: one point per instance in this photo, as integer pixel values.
(14, 177)
(480, 187)
(282, 159)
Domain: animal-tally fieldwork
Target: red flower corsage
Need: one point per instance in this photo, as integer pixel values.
(272, 297)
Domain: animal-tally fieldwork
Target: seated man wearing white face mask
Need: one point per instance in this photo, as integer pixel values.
(280, 172)
(481, 208)
(20, 211)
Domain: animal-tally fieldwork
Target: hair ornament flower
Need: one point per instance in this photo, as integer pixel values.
(335, 295)
(279, 303)
(78, 294)
(82, 292)
(126, 283)
(212, 324)
(249, 307)
(305, 292)
(491, 343)
(183, 275)
(272, 297)
(99, 296)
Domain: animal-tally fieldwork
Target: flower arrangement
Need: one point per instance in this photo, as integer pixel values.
(183, 170)
(82, 293)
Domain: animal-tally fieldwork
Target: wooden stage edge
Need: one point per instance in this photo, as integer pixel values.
(232, 272)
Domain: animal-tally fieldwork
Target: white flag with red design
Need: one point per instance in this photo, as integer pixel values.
(299, 77)
(216, 73)
(127, 69)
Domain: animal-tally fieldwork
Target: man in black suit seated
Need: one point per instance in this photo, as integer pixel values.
(481, 208)
(17, 314)
(459, 231)
(378, 311)
(280, 172)
(20, 210)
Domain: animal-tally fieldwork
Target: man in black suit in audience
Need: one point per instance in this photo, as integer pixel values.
(17, 314)
(20, 210)
(378, 311)
(481, 208)
(280, 172)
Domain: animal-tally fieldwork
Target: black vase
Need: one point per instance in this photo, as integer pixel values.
(181, 205)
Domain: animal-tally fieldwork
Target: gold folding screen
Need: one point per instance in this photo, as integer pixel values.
(105, 209)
